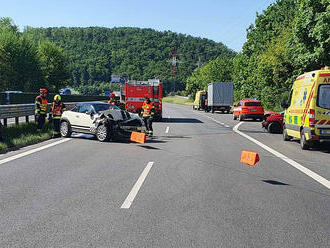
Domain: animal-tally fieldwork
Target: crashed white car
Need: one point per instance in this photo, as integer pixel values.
(105, 121)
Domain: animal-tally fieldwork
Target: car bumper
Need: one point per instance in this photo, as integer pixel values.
(255, 116)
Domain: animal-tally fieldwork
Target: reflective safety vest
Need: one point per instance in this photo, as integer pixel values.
(57, 110)
(148, 109)
(112, 102)
(41, 105)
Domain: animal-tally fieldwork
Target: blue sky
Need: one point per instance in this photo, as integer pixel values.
(223, 21)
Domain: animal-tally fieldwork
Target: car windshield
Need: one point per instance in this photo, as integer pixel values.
(324, 96)
(103, 107)
(253, 104)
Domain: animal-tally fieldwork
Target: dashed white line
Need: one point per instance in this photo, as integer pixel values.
(293, 163)
(130, 198)
(227, 126)
(167, 129)
(20, 155)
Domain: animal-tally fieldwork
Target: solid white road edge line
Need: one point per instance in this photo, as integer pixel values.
(296, 165)
(130, 198)
(23, 154)
(167, 129)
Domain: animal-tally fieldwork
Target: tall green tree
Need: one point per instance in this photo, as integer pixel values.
(22, 64)
(218, 70)
(53, 64)
(310, 41)
(8, 24)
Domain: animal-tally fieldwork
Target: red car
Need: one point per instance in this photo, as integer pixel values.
(248, 109)
(274, 123)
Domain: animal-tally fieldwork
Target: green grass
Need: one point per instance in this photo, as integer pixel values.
(24, 134)
(177, 100)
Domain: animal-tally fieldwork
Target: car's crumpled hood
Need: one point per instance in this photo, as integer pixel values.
(122, 116)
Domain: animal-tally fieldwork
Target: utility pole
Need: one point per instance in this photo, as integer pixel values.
(174, 68)
(199, 63)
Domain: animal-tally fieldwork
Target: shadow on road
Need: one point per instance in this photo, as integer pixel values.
(181, 120)
(321, 147)
(253, 131)
(155, 140)
(149, 147)
(273, 182)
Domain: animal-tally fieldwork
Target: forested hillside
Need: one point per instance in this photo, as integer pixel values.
(95, 53)
(289, 38)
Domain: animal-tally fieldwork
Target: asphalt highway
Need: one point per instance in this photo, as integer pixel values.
(185, 187)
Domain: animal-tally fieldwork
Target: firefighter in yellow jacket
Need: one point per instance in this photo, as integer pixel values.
(148, 114)
(57, 109)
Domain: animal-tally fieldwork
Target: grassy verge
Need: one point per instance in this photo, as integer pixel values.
(24, 134)
(177, 100)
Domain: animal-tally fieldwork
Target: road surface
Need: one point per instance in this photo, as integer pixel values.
(184, 188)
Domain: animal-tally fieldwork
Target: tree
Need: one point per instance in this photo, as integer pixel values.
(5, 70)
(53, 66)
(218, 70)
(7, 23)
(310, 42)
(21, 65)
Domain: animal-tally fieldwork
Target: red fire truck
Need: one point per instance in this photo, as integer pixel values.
(133, 94)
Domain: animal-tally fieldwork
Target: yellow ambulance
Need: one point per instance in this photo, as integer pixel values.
(307, 114)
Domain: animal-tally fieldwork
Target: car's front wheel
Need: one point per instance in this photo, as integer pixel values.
(103, 133)
(65, 129)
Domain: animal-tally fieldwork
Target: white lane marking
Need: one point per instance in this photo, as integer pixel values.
(23, 154)
(130, 198)
(227, 126)
(167, 129)
(296, 165)
(222, 123)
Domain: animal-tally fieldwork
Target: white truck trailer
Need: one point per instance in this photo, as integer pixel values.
(220, 96)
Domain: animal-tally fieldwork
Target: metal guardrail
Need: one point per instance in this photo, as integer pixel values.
(22, 110)
(16, 110)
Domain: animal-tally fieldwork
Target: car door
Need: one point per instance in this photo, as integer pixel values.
(237, 109)
(82, 119)
(86, 117)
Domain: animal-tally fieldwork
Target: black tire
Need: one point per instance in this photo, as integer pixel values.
(304, 144)
(228, 111)
(65, 129)
(222, 111)
(240, 118)
(274, 127)
(286, 137)
(102, 133)
(234, 117)
(212, 110)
